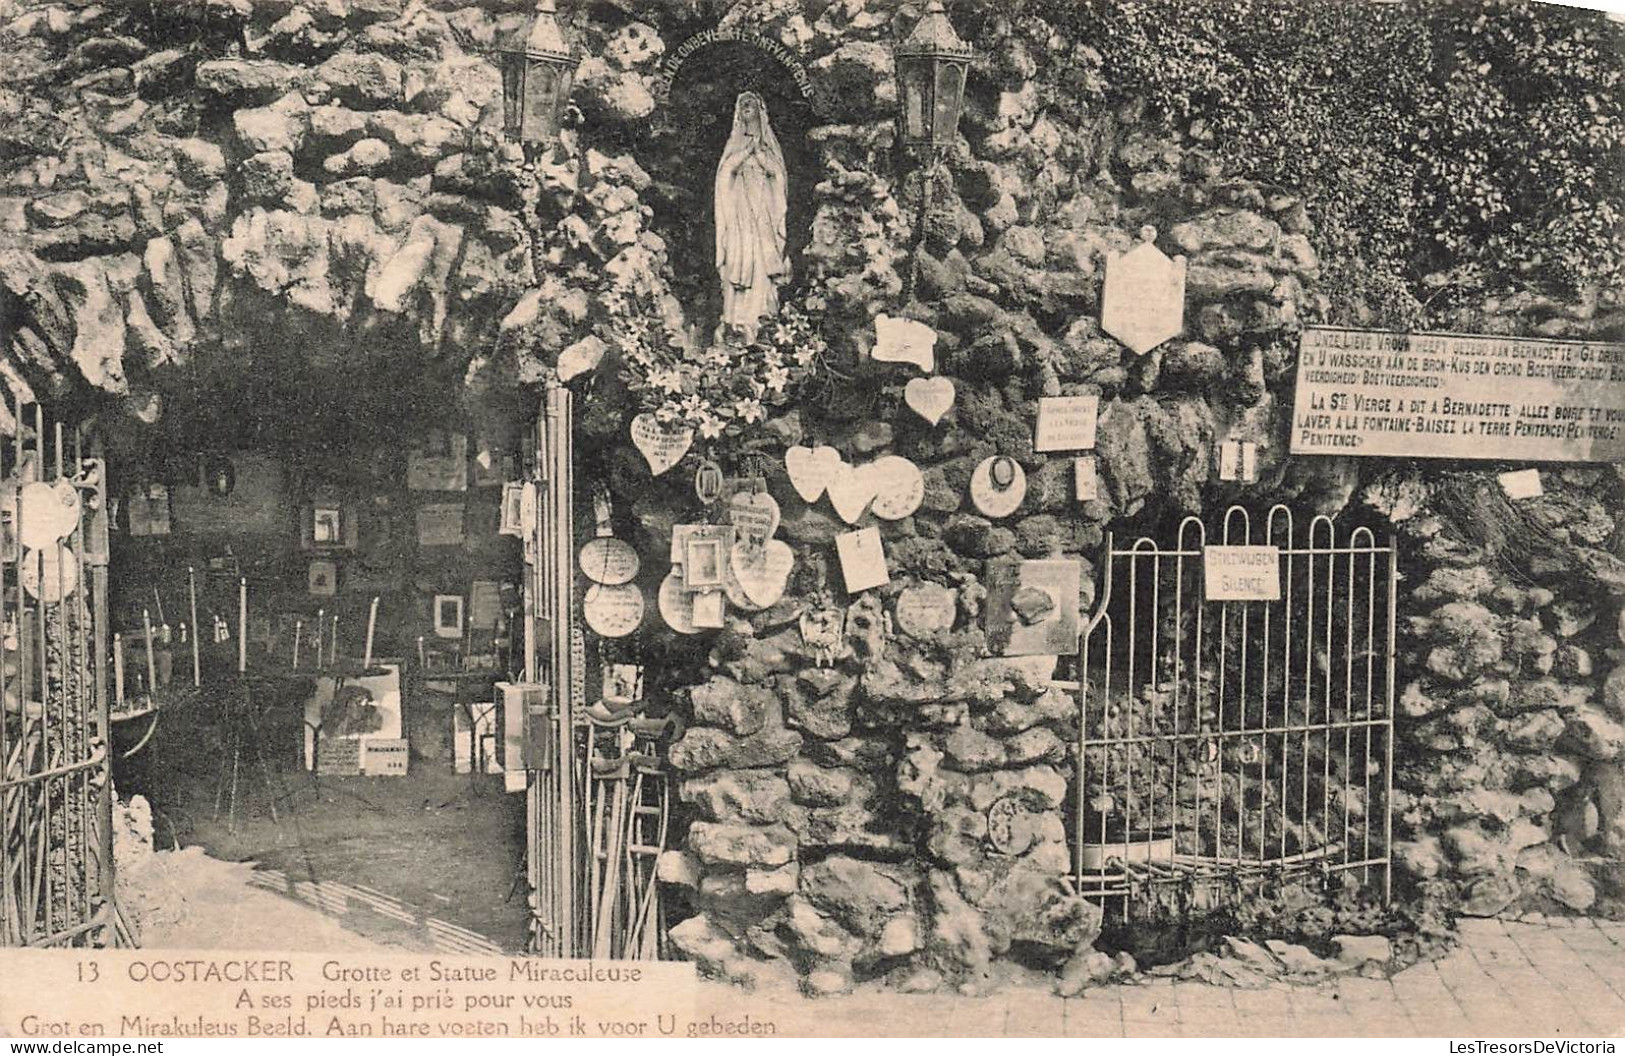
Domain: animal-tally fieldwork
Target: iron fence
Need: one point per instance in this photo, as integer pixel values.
(1224, 744)
(56, 861)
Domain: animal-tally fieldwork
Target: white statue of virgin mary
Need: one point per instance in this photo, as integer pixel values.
(750, 206)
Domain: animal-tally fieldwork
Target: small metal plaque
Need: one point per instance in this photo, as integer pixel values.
(1008, 829)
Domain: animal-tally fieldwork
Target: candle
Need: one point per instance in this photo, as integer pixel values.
(152, 664)
(333, 646)
(423, 658)
(242, 626)
(320, 613)
(191, 586)
(298, 632)
(372, 624)
(118, 669)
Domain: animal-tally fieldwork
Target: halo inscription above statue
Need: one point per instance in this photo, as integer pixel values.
(751, 200)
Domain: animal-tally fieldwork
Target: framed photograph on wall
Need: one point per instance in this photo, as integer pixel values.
(440, 463)
(440, 524)
(148, 508)
(448, 615)
(323, 579)
(702, 565)
(327, 526)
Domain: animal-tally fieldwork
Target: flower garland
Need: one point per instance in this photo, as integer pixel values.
(721, 390)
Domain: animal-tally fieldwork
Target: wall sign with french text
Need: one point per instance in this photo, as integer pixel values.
(1378, 393)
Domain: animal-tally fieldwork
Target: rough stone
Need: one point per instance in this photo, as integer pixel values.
(820, 786)
(861, 895)
(363, 80)
(820, 705)
(756, 796)
(741, 845)
(724, 703)
(1355, 950)
(970, 750)
(703, 748)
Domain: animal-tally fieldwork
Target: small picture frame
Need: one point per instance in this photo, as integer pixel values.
(623, 683)
(511, 521)
(448, 615)
(323, 579)
(709, 609)
(327, 526)
(702, 564)
(8, 537)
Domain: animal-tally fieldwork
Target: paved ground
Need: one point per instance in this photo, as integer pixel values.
(1558, 978)
(1555, 979)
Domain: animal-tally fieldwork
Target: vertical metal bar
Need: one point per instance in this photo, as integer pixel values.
(1308, 690)
(82, 686)
(1153, 679)
(74, 646)
(24, 655)
(68, 734)
(1130, 812)
(1174, 811)
(100, 628)
(1241, 704)
(1080, 770)
(1348, 703)
(1107, 739)
(560, 528)
(7, 687)
(44, 685)
(1326, 699)
(1224, 680)
(1286, 681)
(1370, 663)
(1388, 730)
(1264, 712)
(1196, 665)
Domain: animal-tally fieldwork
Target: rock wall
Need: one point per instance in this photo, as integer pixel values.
(1511, 724)
(178, 176)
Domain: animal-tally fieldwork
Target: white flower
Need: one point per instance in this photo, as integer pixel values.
(777, 378)
(750, 410)
(711, 427)
(693, 406)
(669, 380)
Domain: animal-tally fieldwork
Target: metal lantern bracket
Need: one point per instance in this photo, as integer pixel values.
(536, 79)
(933, 64)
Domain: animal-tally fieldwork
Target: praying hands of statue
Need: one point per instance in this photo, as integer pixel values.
(756, 164)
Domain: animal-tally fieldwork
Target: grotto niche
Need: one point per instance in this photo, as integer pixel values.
(689, 136)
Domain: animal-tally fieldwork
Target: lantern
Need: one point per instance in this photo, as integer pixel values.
(931, 67)
(536, 80)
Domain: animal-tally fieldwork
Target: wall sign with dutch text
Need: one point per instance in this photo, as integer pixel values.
(1377, 393)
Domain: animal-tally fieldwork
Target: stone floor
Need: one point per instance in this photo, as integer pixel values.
(1547, 979)
(1544, 978)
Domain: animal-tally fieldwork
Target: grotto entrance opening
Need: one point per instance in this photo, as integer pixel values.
(1235, 695)
(292, 506)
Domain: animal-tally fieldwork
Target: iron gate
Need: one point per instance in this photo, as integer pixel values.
(56, 857)
(1228, 744)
